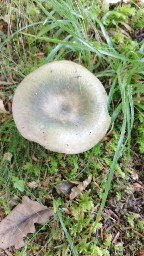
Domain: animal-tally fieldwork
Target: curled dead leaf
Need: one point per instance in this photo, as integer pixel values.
(67, 210)
(76, 190)
(21, 221)
(64, 187)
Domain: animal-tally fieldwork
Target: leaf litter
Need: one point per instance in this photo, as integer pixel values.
(64, 187)
(21, 221)
(67, 187)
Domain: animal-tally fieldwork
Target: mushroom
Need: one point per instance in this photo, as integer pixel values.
(106, 3)
(62, 106)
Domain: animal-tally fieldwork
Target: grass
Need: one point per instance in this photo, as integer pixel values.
(104, 42)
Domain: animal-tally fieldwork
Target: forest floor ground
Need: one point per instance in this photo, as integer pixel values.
(107, 218)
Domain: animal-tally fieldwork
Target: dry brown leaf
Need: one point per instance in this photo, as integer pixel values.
(2, 108)
(75, 191)
(67, 210)
(137, 186)
(21, 221)
(140, 253)
(64, 187)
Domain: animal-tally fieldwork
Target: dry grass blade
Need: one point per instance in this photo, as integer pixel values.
(21, 221)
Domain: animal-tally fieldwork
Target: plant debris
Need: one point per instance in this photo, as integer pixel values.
(64, 187)
(7, 157)
(21, 221)
(2, 108)
(76, 190)
(68, 187)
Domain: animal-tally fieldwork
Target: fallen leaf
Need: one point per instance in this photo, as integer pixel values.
(21, 221)
(75, 191)
(7, 157)
(67, 210)
(2, 108)
(134, 175)
(64, 187)
(140, 253)
(137, 186)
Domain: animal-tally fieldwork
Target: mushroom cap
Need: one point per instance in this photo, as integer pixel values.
(62, 106)
(111, 1)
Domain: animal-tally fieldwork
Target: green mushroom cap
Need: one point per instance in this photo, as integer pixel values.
(61, 106)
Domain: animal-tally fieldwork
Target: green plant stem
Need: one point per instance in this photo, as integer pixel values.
(112, 169)
(75, 253)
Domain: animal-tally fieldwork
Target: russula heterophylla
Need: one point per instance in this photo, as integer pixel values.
(106, 3)
(62, 106)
